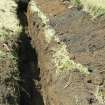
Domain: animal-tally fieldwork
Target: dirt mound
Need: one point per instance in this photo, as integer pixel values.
(84, 39)
(70, 46)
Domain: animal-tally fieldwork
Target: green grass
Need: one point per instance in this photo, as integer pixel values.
(64, 64)
(94, 7)
(9, 75)
(76, 2)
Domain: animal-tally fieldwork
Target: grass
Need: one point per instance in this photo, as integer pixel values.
(94, 7)
(100, 95)
(3, 35)
(76, 2)
(9, 78)
(64, 63)
(9, 74)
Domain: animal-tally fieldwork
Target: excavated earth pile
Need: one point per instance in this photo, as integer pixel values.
(71, 53)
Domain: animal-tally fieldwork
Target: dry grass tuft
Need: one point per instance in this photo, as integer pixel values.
(94, 7)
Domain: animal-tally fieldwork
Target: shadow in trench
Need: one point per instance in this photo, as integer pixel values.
(27, 64)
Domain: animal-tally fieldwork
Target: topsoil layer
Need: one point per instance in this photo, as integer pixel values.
(85, 41)
(84, 38)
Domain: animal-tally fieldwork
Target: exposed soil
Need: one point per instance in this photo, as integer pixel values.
(85, 41)
(27, 63)
(19, 71)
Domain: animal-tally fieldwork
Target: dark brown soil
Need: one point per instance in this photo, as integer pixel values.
(85, 41)
(28, 64)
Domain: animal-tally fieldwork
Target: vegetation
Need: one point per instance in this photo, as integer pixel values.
(9, 74)
(94, 7)
(65, 64)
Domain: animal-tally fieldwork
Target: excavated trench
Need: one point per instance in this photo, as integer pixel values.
(27, 63)
(70, 58)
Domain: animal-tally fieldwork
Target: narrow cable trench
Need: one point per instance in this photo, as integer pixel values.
(27, 63)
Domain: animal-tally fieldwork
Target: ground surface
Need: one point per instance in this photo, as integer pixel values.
(85, 41)
(84, 38)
